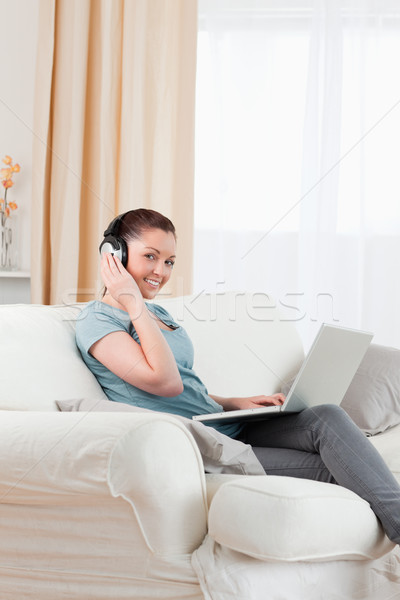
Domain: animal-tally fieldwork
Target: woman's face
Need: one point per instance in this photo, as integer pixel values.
(150, 260)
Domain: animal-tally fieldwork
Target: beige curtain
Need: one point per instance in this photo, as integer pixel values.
(114, 130)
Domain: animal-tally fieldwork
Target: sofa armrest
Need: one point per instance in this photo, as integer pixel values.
(150, 461)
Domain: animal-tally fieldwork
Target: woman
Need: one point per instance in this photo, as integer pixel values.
(142, 357)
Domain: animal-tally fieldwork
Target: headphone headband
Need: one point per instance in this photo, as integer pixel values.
(113, 227)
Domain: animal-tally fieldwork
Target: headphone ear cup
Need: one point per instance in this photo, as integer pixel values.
(116, 246)
(124, 252)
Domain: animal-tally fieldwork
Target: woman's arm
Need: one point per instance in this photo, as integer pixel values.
(150, 365)
(249, 402)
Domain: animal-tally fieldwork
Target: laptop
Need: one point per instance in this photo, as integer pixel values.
(323, 378)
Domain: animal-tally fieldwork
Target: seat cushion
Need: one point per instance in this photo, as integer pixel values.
(287, 519)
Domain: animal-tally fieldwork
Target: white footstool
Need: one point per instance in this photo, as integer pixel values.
(288, 519)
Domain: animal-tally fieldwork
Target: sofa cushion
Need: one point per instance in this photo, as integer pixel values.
(286, 519)
(40, 360)
(373, 398)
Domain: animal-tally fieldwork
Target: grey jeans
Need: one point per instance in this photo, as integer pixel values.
(323, 443)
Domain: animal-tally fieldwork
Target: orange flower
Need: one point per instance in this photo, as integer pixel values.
(6, 178)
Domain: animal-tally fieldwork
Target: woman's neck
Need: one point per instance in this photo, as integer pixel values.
(108, 299)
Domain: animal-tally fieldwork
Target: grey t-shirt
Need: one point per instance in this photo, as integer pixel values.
(98, 319)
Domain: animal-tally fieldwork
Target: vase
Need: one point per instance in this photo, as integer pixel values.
(8, 243)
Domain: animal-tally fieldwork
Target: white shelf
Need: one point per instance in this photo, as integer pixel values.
(15, 274)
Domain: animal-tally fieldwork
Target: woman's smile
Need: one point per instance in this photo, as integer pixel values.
(152, 282)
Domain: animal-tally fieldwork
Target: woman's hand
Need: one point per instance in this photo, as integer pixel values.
(259, 401)
(119, 283)
(149, 365)
(250, 402)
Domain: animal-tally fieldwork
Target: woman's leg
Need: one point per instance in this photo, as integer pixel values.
(348, 455)
(293, 463)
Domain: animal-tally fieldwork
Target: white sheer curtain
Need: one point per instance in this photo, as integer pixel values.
(298, 158)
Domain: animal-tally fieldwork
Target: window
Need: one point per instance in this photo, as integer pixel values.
(297, 145)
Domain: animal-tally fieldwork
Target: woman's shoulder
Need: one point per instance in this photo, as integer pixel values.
(86, 311)
(100, 312)
(96, 320)
(92, 308)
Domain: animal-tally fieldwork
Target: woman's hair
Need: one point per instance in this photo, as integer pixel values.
(135, 222)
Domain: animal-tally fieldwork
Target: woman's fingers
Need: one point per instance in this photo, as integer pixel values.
(106, 268)
(110, 273)
(110, 265)
(111, 261)
(118, 281)
(279, 397)
(274, 399)
(116, 262)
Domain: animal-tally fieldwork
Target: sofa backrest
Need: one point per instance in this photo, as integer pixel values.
(242, 344)
(39, 360)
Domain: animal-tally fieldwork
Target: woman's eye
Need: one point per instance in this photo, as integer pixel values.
(170, 263)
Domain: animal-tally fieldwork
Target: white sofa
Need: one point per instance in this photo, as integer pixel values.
(97, 505)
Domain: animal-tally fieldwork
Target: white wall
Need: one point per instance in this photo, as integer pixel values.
(18, 39)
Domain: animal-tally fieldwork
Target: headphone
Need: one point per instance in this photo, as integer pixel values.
(113, 243)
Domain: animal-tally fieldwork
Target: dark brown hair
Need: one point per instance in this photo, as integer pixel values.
(135, 222)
